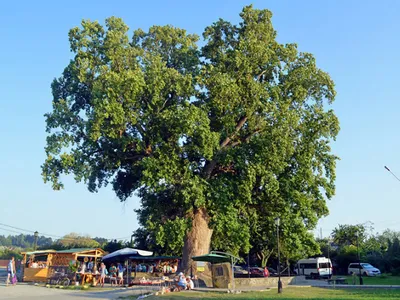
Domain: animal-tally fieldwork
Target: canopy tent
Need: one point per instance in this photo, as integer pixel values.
(154, 257)
(126, 253)
(213, 258)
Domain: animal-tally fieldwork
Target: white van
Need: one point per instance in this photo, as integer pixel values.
(319, 267)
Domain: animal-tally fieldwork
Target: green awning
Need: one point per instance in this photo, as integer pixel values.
(213, 258)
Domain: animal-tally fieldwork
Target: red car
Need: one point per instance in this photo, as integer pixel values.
(257, 271)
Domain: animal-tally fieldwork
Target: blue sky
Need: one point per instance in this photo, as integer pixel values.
(357, 42)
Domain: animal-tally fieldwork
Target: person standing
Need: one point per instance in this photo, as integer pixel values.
(266, 272)
(103, 273)
(90, 265)
(11, 272)
(120, 274)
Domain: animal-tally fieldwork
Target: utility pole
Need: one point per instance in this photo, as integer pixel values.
(36, 234)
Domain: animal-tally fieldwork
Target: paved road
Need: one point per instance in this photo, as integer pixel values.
(26, 291)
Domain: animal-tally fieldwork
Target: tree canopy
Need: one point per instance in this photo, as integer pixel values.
(74, 240)
(216, 141)
(25, 241)
(349, 234)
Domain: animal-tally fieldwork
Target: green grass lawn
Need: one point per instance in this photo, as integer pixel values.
(379, 280)
(288, 294)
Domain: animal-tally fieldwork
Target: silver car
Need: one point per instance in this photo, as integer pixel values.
(365, 269)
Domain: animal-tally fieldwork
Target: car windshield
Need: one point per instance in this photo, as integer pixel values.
(366, 266)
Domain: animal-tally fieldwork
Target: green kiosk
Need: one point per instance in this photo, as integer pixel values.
(222, 264)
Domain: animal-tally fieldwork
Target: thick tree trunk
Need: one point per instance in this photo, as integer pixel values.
(197, 240)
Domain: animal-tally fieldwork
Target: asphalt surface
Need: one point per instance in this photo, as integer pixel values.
(27, 291)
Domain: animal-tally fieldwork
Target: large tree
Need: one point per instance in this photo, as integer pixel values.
(210, 139)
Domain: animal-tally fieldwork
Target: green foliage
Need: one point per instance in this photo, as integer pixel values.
(115, 245)
(73, 266)
(74, 240)
(381, 250)
(24, 241)
(349, 234)
(239, 128)
(6, 253)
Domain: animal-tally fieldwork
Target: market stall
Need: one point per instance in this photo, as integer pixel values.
(35, 265)
(39, 266)
(63, 261)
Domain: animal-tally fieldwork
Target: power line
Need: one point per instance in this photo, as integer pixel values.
(16, 228)
(10, 230)
(51, 235)
(392, 173)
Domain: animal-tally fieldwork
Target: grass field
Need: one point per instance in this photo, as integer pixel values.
(288, 294)
(379, 280)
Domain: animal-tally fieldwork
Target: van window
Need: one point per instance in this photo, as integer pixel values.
(308, 266)
(325, 265)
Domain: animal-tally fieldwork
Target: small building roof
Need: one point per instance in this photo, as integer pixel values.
(79, 250)
(39, 252)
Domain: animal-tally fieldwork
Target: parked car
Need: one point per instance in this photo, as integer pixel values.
(239, 271)
(256, 271)
(365, 269)
(272, 272)
(319, 267)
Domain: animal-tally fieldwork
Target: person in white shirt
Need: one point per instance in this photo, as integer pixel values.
(190, 283)
(83, 268)
(10, 270)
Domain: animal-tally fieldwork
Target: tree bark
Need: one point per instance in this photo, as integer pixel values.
(197, 240)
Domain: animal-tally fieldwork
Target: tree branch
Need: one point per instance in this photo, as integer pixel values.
(239, 125)
(246, 139)
(210, 165)
(261, 74)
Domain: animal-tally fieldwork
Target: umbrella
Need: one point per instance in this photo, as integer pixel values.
(125, 253)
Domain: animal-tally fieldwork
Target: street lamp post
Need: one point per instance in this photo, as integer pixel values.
(277, 221)
(329, 259)
(35, 234)
(359, 260)
(132, 239)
